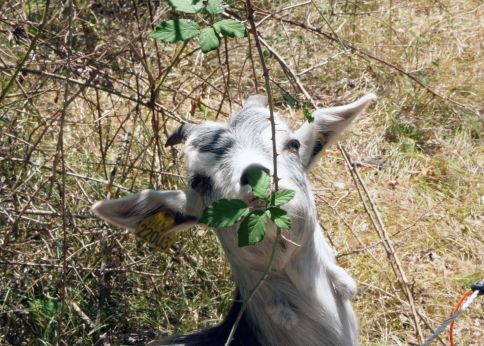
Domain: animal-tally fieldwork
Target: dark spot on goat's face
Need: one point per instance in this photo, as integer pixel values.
(217, 142)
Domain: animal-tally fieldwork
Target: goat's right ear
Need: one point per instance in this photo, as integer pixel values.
(183, 206)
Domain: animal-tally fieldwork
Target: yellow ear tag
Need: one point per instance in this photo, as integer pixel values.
(322, 140)
(155, 230)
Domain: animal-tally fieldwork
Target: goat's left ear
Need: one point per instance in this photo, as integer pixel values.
(328, 124)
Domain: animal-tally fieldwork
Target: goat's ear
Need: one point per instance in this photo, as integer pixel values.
(328, 124)
(127, 212)
(179, 135)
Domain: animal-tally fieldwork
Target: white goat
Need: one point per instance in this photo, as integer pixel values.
(306, 298)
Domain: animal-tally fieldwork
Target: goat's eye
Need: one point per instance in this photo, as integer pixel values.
(293, 145)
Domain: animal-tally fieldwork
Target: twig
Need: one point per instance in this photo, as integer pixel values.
(53, 213)
(88, 269)
(59, 171)
(287, 68)
(256, 287)
(119, 159)
(250, 18)
(60, 150)
(258, 40)
(382, 232)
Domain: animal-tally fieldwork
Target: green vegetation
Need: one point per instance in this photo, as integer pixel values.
(252, 229)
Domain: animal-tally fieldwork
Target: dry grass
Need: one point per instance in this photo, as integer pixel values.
(421, 157)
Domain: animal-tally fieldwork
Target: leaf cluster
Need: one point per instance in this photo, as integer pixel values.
(175, 30)
(228, 212)
(292, 102)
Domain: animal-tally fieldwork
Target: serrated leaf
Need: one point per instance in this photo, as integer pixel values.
(224, 213)
(280, 217)
(215, 6)
(253, 229)
(307, 113)
(208, 40)
(260, 182)
(186, 6)
(290, 100)
(230, 28)
(175, 30)
(283, 196)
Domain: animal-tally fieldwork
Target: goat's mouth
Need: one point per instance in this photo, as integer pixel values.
(255, 203)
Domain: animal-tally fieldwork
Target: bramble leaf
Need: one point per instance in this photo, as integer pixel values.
(253, 229)
(186, 6)
(230, 28)
(260, 182)
(215, 6)
(283, 196)
(307, 113)
(280, 217)
(208, 40)
(175, 30)
(290, 100)
(224, 213)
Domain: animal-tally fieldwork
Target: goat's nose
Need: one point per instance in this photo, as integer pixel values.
(244, 179)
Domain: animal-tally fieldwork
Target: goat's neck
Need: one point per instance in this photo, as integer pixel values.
(298, 303)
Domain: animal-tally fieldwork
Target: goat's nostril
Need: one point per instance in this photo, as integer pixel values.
(244, 179)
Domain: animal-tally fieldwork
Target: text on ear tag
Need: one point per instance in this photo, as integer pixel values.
(155, 230)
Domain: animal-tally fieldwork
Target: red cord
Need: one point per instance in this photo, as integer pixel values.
(466, 294)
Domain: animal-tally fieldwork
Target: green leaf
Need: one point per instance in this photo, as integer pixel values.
(230, 28)
(290, 100)
(253, 229)
(307, 113)
(215, 6)
(260, 182)
(224, 213)
(208, 40)
(175, 30)
(186, 6)
(283, 196)
(280, 217)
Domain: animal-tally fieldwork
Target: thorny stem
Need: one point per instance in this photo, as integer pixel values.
(250, 18)
(255, 289)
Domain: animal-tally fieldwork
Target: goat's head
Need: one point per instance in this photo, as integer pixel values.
(219, 155)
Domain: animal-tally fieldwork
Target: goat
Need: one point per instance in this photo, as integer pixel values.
(306, 297)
